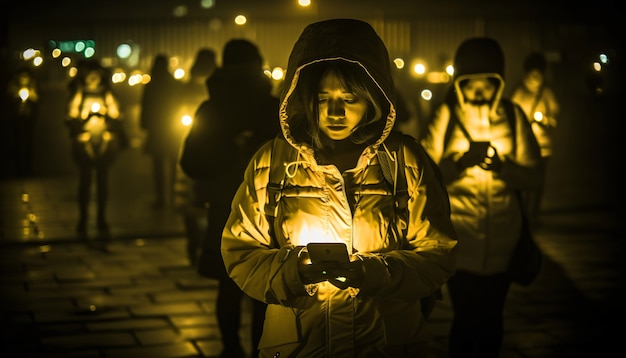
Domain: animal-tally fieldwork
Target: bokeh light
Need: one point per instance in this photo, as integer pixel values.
(240, 20)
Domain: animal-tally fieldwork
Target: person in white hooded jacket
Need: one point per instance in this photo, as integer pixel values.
(337, 108)
(482, 181)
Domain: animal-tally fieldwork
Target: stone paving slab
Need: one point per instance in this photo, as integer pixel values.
(140, 298)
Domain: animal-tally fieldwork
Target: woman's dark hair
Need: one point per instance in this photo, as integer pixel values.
(303, 104)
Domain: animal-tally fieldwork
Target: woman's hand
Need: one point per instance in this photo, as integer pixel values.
(349, 274)
(342, 275)
(310, 272)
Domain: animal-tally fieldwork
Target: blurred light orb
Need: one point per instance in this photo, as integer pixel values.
(66, 61)
(118, 77)
(56, 53)
(419, 68)
(135, 79)
(37, 61)
(207, 4)
(179, 73)
(426, 94)
(89, 52)
(124, 51)
(240, 20)
(79, 46)
(215, 24)
(278, 73)
(72, 71)
(450, 70)
(186, 120)
(180, 11)
(604, 58)
(23, 93)
(28, 53)
(304, 3)
(597, 66)
(399, 63)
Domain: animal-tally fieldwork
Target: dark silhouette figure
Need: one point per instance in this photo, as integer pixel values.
(238, 117)
(160, 118)
(191, 195)
(487, 153)
(96, 134)
(22, 111)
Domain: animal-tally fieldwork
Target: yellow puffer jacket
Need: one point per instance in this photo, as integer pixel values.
(320, 320)
(314, 207)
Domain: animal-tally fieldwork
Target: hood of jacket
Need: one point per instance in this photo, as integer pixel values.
(347, 40)
(479, 57)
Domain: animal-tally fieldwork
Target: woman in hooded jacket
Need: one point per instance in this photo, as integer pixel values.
(337, 108)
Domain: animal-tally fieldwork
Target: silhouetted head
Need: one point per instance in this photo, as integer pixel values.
(241, 52)
(204, 64)
(160, 66)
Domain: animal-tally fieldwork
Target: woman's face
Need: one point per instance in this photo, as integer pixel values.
(339, 110)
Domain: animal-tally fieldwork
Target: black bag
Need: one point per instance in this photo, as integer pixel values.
(525, 263)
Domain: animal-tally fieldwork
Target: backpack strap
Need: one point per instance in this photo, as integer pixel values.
(277, 174)
(509, 110)
(281, 150)
(391, 159)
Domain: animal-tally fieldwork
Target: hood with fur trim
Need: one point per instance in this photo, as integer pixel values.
(347, 40)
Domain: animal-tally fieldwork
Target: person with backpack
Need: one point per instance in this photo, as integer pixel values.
(487, 153)
(342, 270)
(239, 116)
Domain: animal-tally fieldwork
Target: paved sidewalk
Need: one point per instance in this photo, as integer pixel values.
(134, 294)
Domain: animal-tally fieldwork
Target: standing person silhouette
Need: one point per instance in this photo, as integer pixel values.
(536, 97)
(97, 135)
(337, 109)
(238, 117)
(482, 182)
(160, 107)
(191, 195)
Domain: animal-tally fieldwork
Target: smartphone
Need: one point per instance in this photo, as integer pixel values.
(328, 252)
(479, 147)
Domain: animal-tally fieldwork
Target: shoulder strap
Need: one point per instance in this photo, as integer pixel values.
(509, 109)
(391, 159)
(536, 99)
(281, 150)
